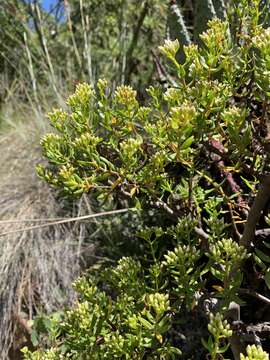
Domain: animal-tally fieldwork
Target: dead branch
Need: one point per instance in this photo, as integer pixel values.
(256, 209)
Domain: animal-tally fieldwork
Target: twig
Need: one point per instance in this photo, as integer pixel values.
(201, 233)
(256, 295)
(263, 232)
(163, 75)
(218, 157)
(159, 204)
(39, 28)
(258, 205)
(69, 24)
(87, 42)
(134, 40)
(225, 197)
(78, 218)
(262, 327)
(16, 221)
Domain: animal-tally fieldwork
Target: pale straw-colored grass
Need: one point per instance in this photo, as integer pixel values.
(37, 267)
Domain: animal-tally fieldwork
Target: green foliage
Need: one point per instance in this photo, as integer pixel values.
(130, 311)
(45, 329)
(220, 330)
(254, 353)
(227, 256)
(134, 317)
(132, 323)
(195, 153)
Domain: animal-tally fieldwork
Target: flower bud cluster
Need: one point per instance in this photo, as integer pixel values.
(125, 95)
(227, 249)
(159, 302)
(115, 342)
(126, 265)
(86, 142)
(83, 94)
(219, 327)
(83, 286)
(262, 41)
(216, 35)
(233, 115)
(130, 146)
(170, 48)
(182, 254)
(58, 119)
(181, 115)
(255, 353)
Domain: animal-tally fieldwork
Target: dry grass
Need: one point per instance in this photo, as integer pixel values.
(36, 267)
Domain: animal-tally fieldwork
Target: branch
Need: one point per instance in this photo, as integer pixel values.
(237, 346)
(162, 205)
(256, 295)
(262, 327)
(202, 234)
(254, 215)
(134, 40)
(219, 154)
(263, 232)
(159, 204)
(163, 75)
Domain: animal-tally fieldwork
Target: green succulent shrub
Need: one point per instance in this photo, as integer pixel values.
(199, 155)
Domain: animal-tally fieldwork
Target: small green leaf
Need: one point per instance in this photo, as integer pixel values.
(187, 143)
(145, 323)
(267, 278)
(248, 183)
(34, 338)
(217, 273)
(266, 244)
(259, 262)
(209, 344)
(262, 255)
(223, 349)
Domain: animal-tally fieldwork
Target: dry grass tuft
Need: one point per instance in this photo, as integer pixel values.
(37, 267)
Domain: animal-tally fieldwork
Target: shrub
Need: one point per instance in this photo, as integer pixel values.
(199, 154)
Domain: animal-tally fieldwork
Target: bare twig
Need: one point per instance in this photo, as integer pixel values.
(262, 327)
(258, 205)
(202, 234)
(43, 41)
(162, 73)
(16, 221)
(263, 232)
(219, 154)
(134, 41)
(87, 42)
(256, 295)
(159, 204)
(78, 218)
(69, 24)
